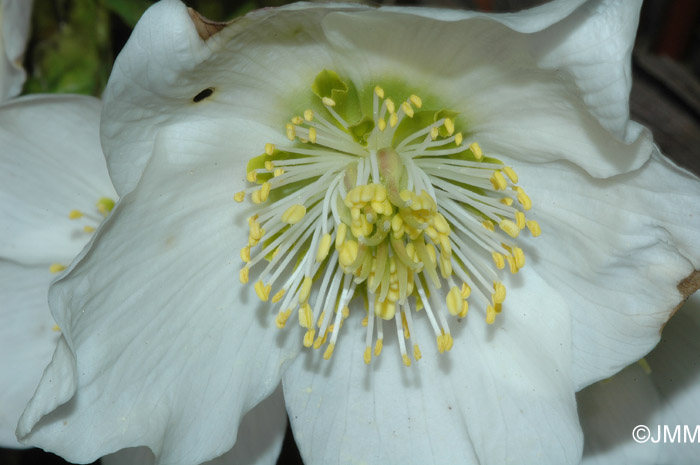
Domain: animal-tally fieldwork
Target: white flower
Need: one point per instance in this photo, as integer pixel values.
(661, 392)
(14, 31)
(164, 347)
(54, 192)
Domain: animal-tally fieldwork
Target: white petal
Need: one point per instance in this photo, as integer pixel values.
(27, 340)
(609, 412)
(509, 103)
(168, 350)
(617, 250)
(502, 395)
(259, 440)
(51, 163)
(166, 64)
(14, 31)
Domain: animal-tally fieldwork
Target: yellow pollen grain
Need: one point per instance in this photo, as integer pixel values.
(509, 228)
(305, 290)
(243, 274)
(269, 148)
(390, 107)
(291, 132)
(75, 214)
(416, 100)
(56, 328)
(393, 120)
(329, 351)
(56, 268)
(277, 297)
(245, 254)
(323, 247)
(512, 175)
(379, 91)
(499, 294)
(454, 301)
(368, 355)
(534, 227)
(459, 138)
(328, 101)
(88, 229)
(308, 115)
(476, 150)
(294, 214)
(312, 135)
(239, 196)
(252, 176)
(416, 352)
(378, 347)
(450, 126)
(309, 338)
(406, 107)
(406, 360)
(262, 291)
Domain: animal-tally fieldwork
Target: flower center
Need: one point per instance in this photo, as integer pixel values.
(383, 200)
(91, 221)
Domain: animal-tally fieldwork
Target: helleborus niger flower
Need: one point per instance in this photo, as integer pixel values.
(663, 391)
(54, 193)
(14, 30)
(468, 186)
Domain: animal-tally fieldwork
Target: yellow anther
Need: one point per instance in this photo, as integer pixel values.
(277, 297)
(365, 321)
(459, 138)
(308, 115)
(476, 150)
(454, 301)
(534, 227)
(490, 315)
(309, 338)
(282, 317)
(75, 214)
(255, 197)
(379, 91)
(265, 191)
(499, 292)
(256, 232)
(239, 196)
(512, 175)
(434, 133)
(441, 343)
(509, 228)
(450, 126)
(319, 323)
(323, 247)
(305, 290)
(243, 274)
(445, 266)
(348, 253)
(328, 101)
(88, 229)
(294, 214)
(488, 224)
(252, 176)
(381, 124)
(385, 310)
(306, 317)
(441, 224)
(520, 219)
(319, 340)
(519, 256)
(406, 107)
(498, 181)
(406, 360)
(58, 329)
(367, 192)
(390, 107)
(507, 201)
(269, 148)
(291, 132)
(278, 172)
(512, 265)
(56, 268)
(312, 135)
(245, 254)
(378, 347)
(416, 100)
(465, 291)
(368, 355)
(498, 259)
(269, 165)
(393, 120)
(105, 205)
(449, 342)
(329, 351)
(465, 309)
(262, 291)
(416, 352)
(297, 120)
(340, 235)
(523, 198)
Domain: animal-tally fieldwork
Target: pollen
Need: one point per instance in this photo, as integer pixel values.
(390, 207)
